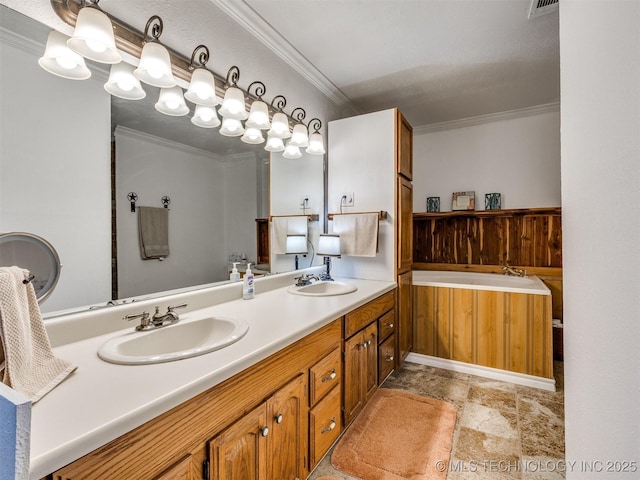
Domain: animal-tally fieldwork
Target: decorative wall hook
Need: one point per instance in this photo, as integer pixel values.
(132, 197)
(166, 200)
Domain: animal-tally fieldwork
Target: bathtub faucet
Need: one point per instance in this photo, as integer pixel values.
(516, 272)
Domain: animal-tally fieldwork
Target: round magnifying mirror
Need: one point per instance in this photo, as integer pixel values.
(35, 254)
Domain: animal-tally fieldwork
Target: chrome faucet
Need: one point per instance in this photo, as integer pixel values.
(158, 320)
(515, 272)
(305, 279)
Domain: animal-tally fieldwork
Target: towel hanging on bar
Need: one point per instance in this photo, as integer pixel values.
(358, 233)
(153, 232)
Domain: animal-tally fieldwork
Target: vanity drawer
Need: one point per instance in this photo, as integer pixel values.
(386, 325)
(386, 357)
(324, 375)
(367, 313)
(324, 425)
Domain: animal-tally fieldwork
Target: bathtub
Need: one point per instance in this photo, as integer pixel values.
(481, 281)
(495, 323)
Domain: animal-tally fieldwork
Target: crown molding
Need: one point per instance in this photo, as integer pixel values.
(251, 21)
(147, 137)
(488, 118)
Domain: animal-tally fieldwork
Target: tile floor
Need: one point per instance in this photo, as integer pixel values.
(503, 431)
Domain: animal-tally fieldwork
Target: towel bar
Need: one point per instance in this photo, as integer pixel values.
(312, 217)
(382, 214)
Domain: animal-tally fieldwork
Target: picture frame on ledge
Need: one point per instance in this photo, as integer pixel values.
(433, 204)
(492, 201)
(463, 201)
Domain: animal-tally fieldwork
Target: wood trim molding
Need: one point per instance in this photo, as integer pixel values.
(539, 271)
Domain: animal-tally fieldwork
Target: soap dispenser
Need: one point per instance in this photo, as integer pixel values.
(248, 291)
(235, 275)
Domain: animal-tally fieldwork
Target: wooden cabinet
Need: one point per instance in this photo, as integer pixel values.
(405, 225)
(181, 470)
(270, 442)
(404, 308)
(404, 133)
(361, 347)
(325, 425)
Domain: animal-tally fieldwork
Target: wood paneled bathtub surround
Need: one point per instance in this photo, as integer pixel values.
(508, 331)
(525, 238)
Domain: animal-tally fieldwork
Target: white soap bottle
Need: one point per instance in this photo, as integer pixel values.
(248, 291)
(235, 275)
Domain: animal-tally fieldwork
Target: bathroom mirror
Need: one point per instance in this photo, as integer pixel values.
(34, 254)
(62, 140)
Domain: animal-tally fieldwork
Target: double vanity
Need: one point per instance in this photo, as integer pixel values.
(229, 385)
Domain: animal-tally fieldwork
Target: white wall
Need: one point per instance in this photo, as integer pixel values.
(292, 180)
(600, 80)
(195, 182)
(54, 169)
(518, 158)
(362, 162)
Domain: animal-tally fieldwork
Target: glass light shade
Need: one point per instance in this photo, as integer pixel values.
(171, 102)
(296, 244)
(61, 60)
(258, 116)
(231, 127)
(202, 89)
(93, 36)
(205, 117)
(291, 151)
(252, 136)
(233, 104)
(299, 137)
(123, 84)
(274, 144)
(155, 66)
(316, 145)
(328, 245)
(279, 126)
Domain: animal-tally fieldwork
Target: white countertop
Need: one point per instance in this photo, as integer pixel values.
(101, 401)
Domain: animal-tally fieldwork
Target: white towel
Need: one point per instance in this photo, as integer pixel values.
(283, 226)
(26, 359)
(153, 232)
(358, 234)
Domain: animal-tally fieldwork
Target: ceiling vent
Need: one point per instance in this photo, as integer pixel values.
(542, 7)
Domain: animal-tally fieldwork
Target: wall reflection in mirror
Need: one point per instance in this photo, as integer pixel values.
(70, 154)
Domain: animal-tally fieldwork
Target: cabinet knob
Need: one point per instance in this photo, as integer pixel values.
(331, 376)
(388, 325)
(264, 431)
(389, 358)
(278, 418)
(331, 426)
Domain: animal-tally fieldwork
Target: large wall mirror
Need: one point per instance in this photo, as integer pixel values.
(61, 141)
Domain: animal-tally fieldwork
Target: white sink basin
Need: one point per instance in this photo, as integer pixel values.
(323, 289)
(175, 342)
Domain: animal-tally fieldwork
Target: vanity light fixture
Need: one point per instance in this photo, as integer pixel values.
(155, 63)
(280, 121)
(231, 127)
(60, 60)
(122, 82)
(93, 35)
(171, 102)
(300, 136)
(291, 151)
(253, 136)
(259, 113)
(274, 144)
(202, 89)
(328, 246)
(316, 143)
(233, 105)
(205, 117)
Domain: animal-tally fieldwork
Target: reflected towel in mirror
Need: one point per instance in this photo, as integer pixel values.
(287, 225)
(153, 232)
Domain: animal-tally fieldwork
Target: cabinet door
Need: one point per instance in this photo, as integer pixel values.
(353, 368)
(370, 359)
(287, 411)
(405, 147)
(405, 325)
(240, 451)
(181, 470)
(405, 225)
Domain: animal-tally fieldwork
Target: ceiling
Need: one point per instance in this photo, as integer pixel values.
(436, 60)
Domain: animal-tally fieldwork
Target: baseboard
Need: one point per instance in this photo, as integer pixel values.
(548, 384)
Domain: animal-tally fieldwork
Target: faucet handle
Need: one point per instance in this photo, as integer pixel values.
(171, 308)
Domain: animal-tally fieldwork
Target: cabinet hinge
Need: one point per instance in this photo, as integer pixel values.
(205, 469)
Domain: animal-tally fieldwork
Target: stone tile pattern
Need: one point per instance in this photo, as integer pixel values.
(503, 431)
